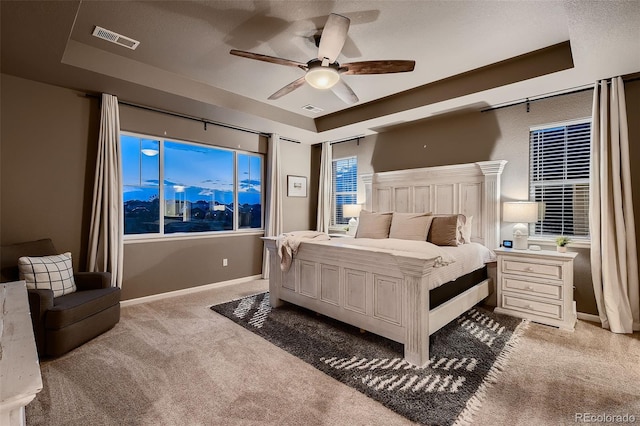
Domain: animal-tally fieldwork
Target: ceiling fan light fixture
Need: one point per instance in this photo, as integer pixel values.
(322, 77)
(324, 72)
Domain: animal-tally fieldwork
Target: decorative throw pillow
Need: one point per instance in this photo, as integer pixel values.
(410, 226)
(444, 231)
(467, 229)
(373, 225)
(50, 272)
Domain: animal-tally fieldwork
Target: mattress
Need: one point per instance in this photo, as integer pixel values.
(468, 258)
(448, 291)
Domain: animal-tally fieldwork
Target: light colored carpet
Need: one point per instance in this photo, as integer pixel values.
(176, 362)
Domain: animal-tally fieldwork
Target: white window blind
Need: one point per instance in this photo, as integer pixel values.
(559, 178)
(344, 187)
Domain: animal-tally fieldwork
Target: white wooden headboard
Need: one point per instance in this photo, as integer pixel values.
(472, 189)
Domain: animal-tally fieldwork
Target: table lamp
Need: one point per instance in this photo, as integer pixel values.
(522, 213)
(352, 211)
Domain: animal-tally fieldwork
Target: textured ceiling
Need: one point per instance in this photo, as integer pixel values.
(183, 61)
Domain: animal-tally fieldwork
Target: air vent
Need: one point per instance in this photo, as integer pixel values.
(115, 38)
(312, 108)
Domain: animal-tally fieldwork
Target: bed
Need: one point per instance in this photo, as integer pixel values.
(388, 290)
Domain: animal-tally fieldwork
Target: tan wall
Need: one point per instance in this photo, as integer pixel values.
(47, 163)
(167, 126)
(470, 136)
(632, 92)
(296, 161)
(49, 135)
(168, 265)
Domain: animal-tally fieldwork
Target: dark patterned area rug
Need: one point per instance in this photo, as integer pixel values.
(467, 355)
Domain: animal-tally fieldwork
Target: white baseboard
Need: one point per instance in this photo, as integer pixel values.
(589, 317)
(189, 290)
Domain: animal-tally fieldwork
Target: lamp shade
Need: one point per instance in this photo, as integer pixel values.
(520, 211)
(351, 210)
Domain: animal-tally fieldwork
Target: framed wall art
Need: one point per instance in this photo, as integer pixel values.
(296, 186)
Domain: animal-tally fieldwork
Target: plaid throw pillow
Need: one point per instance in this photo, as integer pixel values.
(48, 272)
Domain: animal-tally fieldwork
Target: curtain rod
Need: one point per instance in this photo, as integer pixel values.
(349, 139)
(551, 95)
(289, 140)
(190, 117)
(539, 98)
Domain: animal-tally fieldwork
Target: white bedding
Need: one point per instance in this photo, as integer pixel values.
(289, 242)
(451, 262)
(419, 249)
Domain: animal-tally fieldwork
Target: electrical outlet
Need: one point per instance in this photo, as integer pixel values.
(225, 262)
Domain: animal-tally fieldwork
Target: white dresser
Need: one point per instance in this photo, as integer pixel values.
(537, 285)
(20, 378)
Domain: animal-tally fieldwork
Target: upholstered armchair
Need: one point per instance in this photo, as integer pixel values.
(65, 322)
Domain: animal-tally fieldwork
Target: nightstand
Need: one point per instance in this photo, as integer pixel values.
(537, 285)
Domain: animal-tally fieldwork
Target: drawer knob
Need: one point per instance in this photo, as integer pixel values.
(529, 287)
(529, 307)
(529, 269)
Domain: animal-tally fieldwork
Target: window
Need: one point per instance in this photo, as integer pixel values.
(559, 178)
(344, 175)
(174, 187)
(141, 184)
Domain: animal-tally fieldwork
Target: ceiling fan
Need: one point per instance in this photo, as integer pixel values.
(324, 72)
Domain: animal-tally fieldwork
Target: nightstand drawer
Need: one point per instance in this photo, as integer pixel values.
(538, 268)
(538, 308)
(516, 284)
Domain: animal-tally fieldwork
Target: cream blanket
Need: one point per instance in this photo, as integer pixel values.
(288, 244)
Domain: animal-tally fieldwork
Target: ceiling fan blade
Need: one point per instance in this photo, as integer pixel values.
(344, 92)
(377, 67)
(288, 88)
(333, 37)
(266, 58)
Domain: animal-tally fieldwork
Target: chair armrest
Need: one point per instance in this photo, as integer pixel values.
(40, 301)
(92, 280)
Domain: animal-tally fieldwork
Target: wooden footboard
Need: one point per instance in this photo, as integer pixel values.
(380, 292)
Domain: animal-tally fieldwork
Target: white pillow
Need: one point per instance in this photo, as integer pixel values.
(466, 230)
(48, 272)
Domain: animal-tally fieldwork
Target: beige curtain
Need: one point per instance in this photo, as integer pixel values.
(614, 258)
(273, 210)
(107, 222)
(324, 189)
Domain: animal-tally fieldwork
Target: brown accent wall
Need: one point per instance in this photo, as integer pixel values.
(49, 138)
(469, 136)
